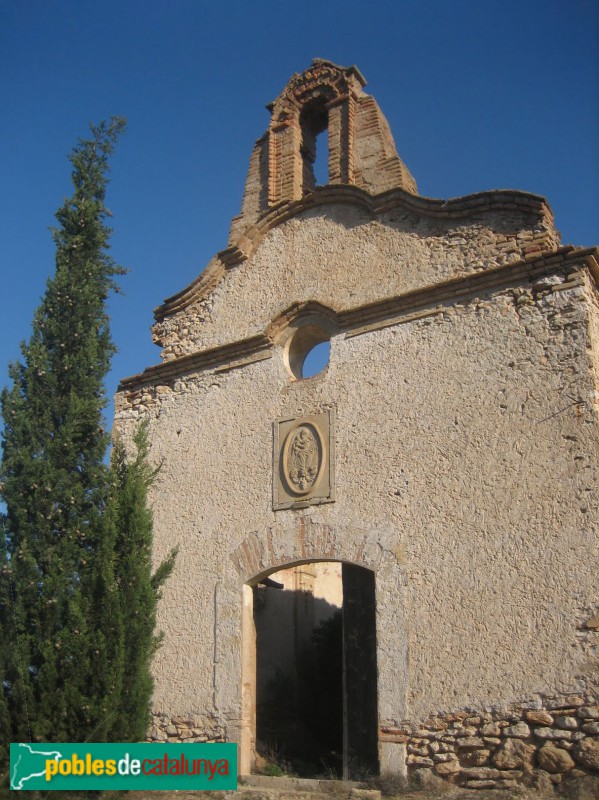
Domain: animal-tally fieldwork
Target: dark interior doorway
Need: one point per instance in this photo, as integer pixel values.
(316, 713)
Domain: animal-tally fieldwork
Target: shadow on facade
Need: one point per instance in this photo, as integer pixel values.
(316, 672)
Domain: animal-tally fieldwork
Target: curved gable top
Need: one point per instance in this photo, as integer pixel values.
(364, 237)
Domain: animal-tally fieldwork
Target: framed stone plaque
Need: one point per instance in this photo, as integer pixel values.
(303, 461)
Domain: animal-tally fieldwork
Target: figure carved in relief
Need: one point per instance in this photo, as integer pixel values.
(303, 459)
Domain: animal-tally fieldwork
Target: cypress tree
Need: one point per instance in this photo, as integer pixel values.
(77, 594)
(55, 484)
(139, 588)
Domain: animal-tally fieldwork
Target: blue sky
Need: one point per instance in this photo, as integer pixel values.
(479, 94)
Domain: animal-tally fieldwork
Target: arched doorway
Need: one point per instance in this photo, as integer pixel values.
(310, 674)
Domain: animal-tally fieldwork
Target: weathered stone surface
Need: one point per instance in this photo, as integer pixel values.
(481, 773)
(589, 712)
(569, 701)
(554, 759)
(519, 731)
(592, 728)
(444, 757)
(427, 779)
(418, 750)
(514, 754)
(465, 732)
(552, 733)
(157, 734)
(420, 761)
(474, 758)
(542, 782)
(490, 729)
(539, 717)
(586, 753)
(566, 723)
(469, 743)
(447, 768)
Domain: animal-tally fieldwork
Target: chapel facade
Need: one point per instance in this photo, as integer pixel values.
(391, 564)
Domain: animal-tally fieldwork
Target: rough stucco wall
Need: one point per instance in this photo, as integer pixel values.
(339, 256)
(468, 438)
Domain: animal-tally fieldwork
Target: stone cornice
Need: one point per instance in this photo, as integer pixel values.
(243, 351)
(458, 208)
(380, 314)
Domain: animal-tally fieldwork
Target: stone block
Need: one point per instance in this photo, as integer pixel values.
(539, 717)
(426, 779)
(481, 773)
(469, 743)
(586, 753)
(420, 761)
(570, 701)
(552, 733)
(441, 758)
(588, 712)
(490, 729)
(447, 768)
(554, 759)
(514, 754)
(566, 723)
(592, 728)
(518, 731)
(474, 758)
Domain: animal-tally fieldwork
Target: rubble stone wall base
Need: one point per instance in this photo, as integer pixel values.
(537, 743)
(187, 729)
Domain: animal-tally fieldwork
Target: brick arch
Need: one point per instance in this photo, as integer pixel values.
(322, 80)
(337, 88)
(262, 552)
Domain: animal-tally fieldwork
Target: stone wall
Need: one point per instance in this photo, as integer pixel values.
(463, 381)
(186, 729)
(469, 487)
(537, 743)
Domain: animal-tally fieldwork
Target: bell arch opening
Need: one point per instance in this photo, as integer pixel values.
(314, 123)
(309, 692)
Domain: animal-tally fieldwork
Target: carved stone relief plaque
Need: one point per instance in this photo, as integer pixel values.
(303, 461)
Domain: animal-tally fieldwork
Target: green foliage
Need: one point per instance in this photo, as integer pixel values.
(77, 595)
(139, 589)
(54, 481)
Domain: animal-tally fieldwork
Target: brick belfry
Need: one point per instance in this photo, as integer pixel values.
(391, 564)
